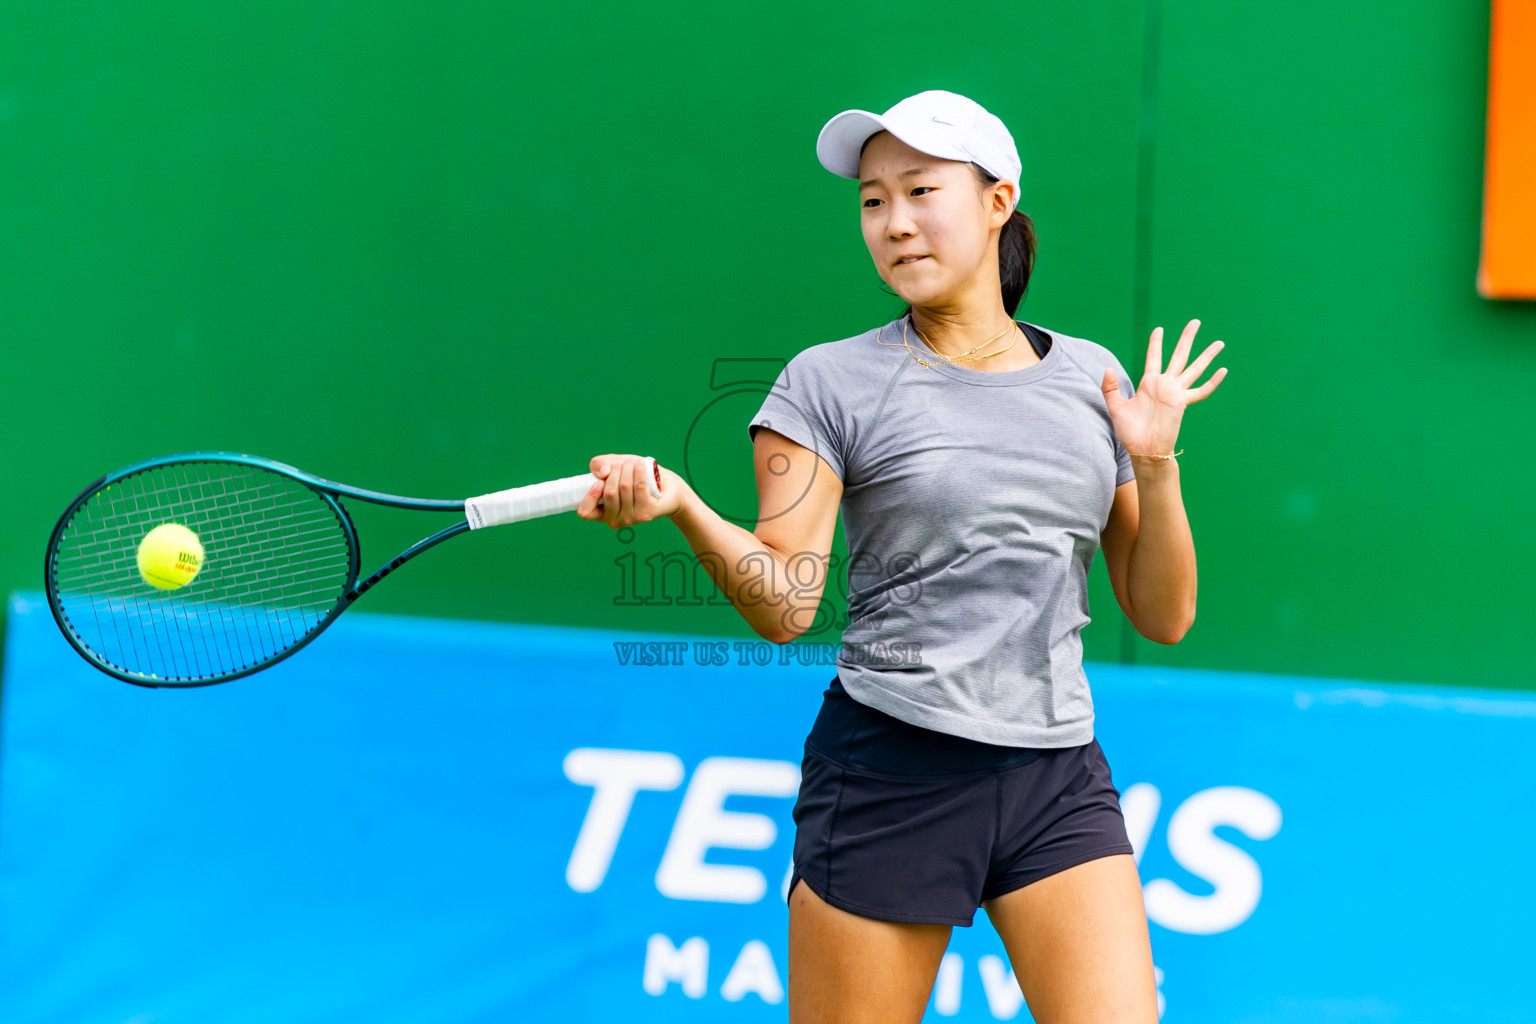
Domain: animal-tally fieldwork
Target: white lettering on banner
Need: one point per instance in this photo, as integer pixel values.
(1196, 848)
(688, 964)
(946, 987)
(615, 776)
(1004, 996)
(703, 824)
(753, 972)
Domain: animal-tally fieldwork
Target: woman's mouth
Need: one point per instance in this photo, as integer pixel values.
(909, 261)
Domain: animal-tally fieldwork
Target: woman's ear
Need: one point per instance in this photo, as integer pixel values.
(1009, 191)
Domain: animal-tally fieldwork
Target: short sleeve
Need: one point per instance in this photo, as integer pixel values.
(1124, 472)
(803, 405)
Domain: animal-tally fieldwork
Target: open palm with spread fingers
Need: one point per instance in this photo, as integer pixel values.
(1147, 423)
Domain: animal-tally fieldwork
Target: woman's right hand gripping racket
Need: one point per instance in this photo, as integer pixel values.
(200, 568)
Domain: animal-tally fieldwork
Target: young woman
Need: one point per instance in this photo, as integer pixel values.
(979, 462)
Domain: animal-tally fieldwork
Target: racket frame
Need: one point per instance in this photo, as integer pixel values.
(329, 490)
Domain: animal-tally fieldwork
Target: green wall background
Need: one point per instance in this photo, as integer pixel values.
(442, 250)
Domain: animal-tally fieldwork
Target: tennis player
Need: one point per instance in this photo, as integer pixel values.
(978, 462)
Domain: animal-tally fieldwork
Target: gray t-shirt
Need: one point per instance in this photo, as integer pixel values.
(972, 507)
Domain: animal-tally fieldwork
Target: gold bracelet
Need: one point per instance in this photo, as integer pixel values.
(1144, 455)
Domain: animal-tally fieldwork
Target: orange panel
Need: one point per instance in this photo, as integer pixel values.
(1508, 266)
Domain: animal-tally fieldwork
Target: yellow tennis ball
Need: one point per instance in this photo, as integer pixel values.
(170, 556)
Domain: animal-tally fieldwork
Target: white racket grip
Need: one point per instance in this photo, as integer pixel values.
(544, 499)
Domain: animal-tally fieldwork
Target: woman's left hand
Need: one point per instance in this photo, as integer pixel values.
(1148, 422)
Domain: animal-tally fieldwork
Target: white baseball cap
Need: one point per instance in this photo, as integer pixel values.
(936, 122)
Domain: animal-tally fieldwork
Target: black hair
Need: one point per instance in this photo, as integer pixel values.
(1016, 247)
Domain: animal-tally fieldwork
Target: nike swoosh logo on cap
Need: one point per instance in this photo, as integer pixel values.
(950, 123)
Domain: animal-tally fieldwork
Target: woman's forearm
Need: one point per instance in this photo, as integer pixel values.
(752, 576)
(1161, 573)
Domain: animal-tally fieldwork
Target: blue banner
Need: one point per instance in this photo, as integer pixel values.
(428, 821)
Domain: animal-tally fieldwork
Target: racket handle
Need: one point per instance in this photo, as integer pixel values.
(546, 499)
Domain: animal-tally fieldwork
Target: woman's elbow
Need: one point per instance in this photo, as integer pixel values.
(1168, 632)
(778, 637)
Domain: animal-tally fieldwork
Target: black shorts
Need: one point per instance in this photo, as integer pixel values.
(901, 823)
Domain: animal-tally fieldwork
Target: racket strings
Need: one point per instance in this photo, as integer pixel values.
(277, 560)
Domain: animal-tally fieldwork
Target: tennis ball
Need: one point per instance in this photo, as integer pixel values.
(170, 556)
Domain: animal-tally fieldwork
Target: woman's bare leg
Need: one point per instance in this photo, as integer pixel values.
(1079, 946)
(848, 969)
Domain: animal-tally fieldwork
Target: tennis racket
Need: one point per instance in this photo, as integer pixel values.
(273, 554)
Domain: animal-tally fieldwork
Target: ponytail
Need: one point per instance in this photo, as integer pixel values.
(1015, 251)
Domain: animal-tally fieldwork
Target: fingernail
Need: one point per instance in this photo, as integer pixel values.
(602, 468)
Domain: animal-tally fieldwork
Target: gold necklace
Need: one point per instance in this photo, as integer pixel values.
(962, 357)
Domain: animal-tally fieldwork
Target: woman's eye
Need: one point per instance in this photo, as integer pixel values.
(919, 188)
